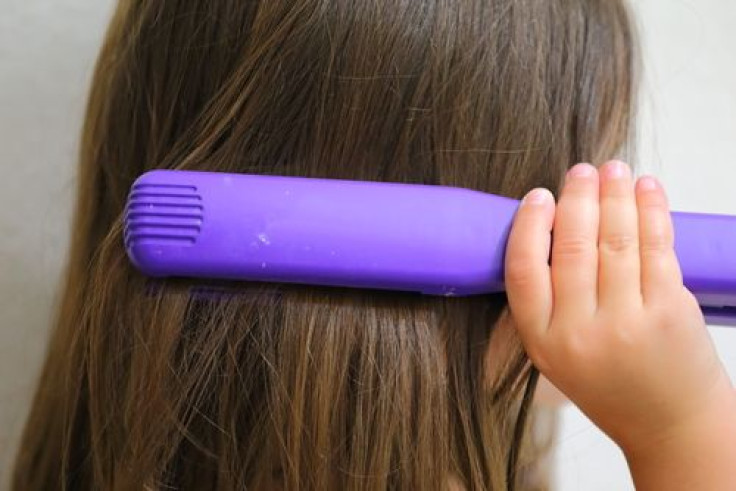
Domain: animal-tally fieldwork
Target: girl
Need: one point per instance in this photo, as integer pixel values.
(157, 385)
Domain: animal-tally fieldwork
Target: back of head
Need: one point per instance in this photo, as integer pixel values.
(155, 385)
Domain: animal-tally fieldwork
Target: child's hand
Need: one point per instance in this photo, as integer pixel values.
(610, 322)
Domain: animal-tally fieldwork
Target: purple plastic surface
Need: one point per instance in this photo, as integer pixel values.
(436, 240)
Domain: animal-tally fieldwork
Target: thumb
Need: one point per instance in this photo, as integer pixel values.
(527, 271)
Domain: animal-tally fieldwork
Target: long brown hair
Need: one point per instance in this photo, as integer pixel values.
(164, 385)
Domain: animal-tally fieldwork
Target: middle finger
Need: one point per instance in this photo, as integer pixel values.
(619, 284)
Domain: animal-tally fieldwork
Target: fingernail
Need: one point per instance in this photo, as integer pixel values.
(537, 196)
(616, 170)
(648, 183)
(581, 170)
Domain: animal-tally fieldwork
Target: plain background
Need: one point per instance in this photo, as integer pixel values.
(47, 51)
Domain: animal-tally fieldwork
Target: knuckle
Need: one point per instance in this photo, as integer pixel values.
(670, 307)
(576, 245)
(614, 192)
(579, 189)
(657, 244)
(624, 332)
(520, 272)
(659, 313)
(574, 348)
(618, 243)
(625, 336)
(653, 202)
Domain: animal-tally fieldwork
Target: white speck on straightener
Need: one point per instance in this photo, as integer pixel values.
(264, 238)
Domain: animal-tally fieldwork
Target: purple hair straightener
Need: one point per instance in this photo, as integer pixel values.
(437, 240)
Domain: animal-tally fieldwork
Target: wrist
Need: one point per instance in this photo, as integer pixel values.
(705, 430)
(715, 420)
(697, 454)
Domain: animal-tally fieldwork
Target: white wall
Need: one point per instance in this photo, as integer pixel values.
(47, 50)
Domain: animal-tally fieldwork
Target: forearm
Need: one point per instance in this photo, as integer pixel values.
(701, 457)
